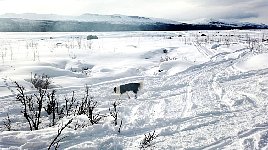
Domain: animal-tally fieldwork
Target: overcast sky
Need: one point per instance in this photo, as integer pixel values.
(179, 10)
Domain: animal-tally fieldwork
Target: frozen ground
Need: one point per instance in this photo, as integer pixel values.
(206, 92)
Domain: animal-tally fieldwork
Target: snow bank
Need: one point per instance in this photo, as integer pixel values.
(254, 62)
(173, 67)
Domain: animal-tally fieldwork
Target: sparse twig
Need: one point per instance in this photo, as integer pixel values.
(87, 107)
(147, 140)
(82, 108)
(32, 105)
(120, 126)
(78, 125)
(114, 112)
(93, 118)
(40, 81)
(69, 104)
(52, 106)
(56, 141)
(7, 123)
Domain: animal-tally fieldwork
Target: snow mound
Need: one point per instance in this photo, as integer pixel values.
(47, 70)
(173, 67)
(77, 66)
(255, 62)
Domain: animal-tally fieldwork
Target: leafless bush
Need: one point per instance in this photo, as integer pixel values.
(114, 113)
(43, 99)
(70, 104)
(7, 123)
(88, 44)
(82, 108)
(147, 140)
(90, 108)
(79, 42)
(73, 56)
(56, 141)
(87, 107)
(31, 44)
(53, 108)
(41, 81)
(167, 58)
(78, 125)
(120, 126)
(32, 105)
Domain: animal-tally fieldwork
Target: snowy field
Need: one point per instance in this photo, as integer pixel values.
(201, 89)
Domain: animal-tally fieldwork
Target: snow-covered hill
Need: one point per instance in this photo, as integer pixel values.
(199, 92)
(93, 22)
(226, 22)
(113, 19)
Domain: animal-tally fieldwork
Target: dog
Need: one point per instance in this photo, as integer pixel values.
(125, 88)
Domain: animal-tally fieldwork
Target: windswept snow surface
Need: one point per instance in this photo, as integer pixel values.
(195, 95)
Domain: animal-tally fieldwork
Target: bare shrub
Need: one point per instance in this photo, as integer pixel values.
(32, 105)
(41, 81)
(42, 99)
(87, 107)
(56, 141)
(120, 126)
(70, 104)
(7, 123)
(78, 125)
(82, 108)
(52, 108)
(114, 113)
(93, 117)
(167, 58)
(147, 140)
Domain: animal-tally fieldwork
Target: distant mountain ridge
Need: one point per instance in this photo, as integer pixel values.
(30, 22)
(115, 19)
(225, 22)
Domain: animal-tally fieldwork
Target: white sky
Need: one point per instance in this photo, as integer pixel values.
(180, 10)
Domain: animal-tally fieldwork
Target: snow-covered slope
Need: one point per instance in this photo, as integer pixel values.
(114, 19)
(226, 22)
(195, 95)
(30, 22)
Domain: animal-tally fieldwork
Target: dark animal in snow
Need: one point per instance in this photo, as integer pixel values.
(125, 88)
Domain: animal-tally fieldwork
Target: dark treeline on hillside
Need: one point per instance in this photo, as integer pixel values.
(24, 25)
